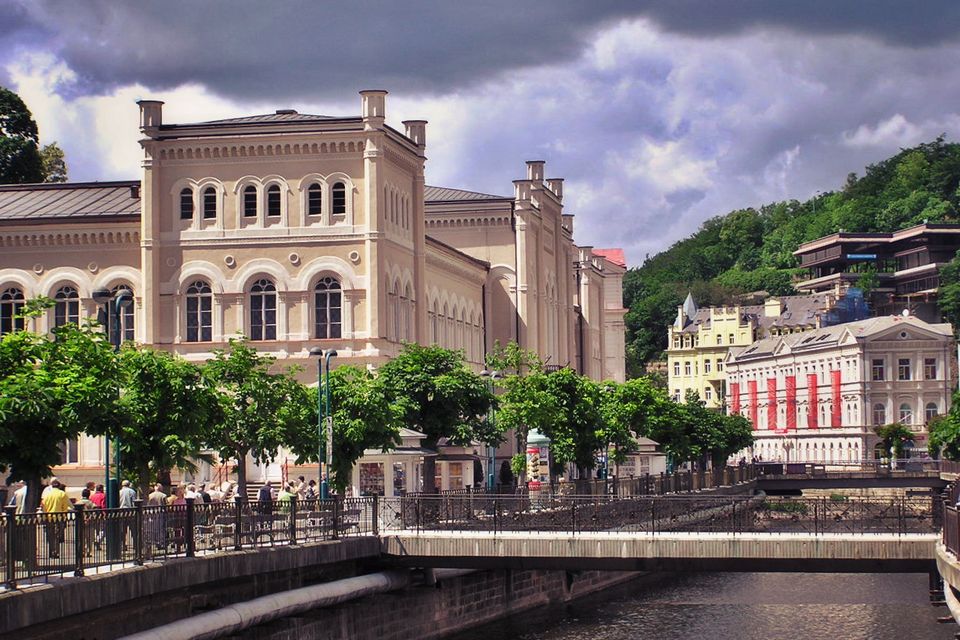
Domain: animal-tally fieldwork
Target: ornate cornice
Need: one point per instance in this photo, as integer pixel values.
(206, 151)
(467, 220)
(68, 238)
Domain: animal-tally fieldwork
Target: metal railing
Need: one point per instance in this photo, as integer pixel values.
(660, 514)
(642, 485)
(37, 545)
(864, 468)
(951, 529)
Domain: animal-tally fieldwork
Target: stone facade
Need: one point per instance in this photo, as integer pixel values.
(300, 231)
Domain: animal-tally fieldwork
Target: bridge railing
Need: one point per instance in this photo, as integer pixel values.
(37, 545)
(951, 528)
(659, 514)
(867, 468)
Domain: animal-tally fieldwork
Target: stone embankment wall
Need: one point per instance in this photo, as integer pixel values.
(434, 611)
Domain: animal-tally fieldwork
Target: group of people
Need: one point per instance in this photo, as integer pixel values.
(299, 489)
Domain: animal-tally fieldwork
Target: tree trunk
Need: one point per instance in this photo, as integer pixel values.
(143, 479)
(32, 499)
(429, 473)
(242, 475)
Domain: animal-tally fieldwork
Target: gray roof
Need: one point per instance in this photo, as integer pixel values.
(830, 336)
(75, 201)
(445, 194)
(281, 115)
(796, 311)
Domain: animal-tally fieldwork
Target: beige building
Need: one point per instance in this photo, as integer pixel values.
(699, 339)
(299, 231)
(817, 396)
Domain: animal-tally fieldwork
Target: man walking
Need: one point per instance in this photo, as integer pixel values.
(55, 505)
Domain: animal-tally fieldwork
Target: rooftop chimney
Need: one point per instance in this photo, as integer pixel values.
(556, 185)
(535, 170)
(416, 130)
(151, 114)
(373, 103)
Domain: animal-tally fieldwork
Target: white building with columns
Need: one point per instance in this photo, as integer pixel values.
(817, 396)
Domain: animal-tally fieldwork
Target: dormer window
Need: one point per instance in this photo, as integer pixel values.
(273, 200)
(186, 204)
(339, 199)
(315, 199)
(250, 202)
(209, 203)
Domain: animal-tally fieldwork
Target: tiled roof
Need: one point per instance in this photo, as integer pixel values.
(78, 200)
(613, 255)
(282, 115)
(445, 194)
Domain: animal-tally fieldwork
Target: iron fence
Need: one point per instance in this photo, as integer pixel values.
(660, 514)
(38, 545)
(951, 528)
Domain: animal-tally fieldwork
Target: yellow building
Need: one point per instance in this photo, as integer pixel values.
(698, 341)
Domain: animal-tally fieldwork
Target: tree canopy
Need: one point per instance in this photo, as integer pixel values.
(20, 159)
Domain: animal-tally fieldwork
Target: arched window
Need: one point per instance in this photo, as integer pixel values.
(186, 204)
(67, 309)
(327, 306)
(263, 310)
(199, 312)
(273, 200)
(209, 203)
(126, 319)
(906, 414)
(11, 304)
(314, 199)
(930, 411)
(250, 201)
(398, 311)
(339, 198)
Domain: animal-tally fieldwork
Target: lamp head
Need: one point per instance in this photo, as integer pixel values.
(124, 298)
(331, 353)
(316, 352)
(484, 374)
(102, 296)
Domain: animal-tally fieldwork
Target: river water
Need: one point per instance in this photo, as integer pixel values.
(739, 606)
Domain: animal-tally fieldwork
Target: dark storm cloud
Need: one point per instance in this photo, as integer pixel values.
(249, 50)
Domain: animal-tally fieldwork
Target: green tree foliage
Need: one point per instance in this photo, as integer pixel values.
(19, 155)
(54, 163)
(577, 433)
(52, 390)
(440, 397)
(752, 249)
(893, 438)
(945, 434)
(260, 411)
(363, 418)
(949, 296)
(637, 407)
(166, 407)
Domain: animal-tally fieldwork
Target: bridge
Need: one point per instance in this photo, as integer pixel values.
(665, 533)
(902, 474)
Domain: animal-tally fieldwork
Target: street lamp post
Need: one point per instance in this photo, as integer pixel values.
(491, 377)
(325, 457)
(102, 297)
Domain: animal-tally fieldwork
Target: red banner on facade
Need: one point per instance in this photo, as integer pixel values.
(752, 393)
(734, 397)
(813, 410)
(836, 417)
(772, 404)
(791, 403)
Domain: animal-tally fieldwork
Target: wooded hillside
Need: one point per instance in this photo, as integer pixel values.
(751, 249)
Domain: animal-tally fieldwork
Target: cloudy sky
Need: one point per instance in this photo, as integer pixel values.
(658, 114)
